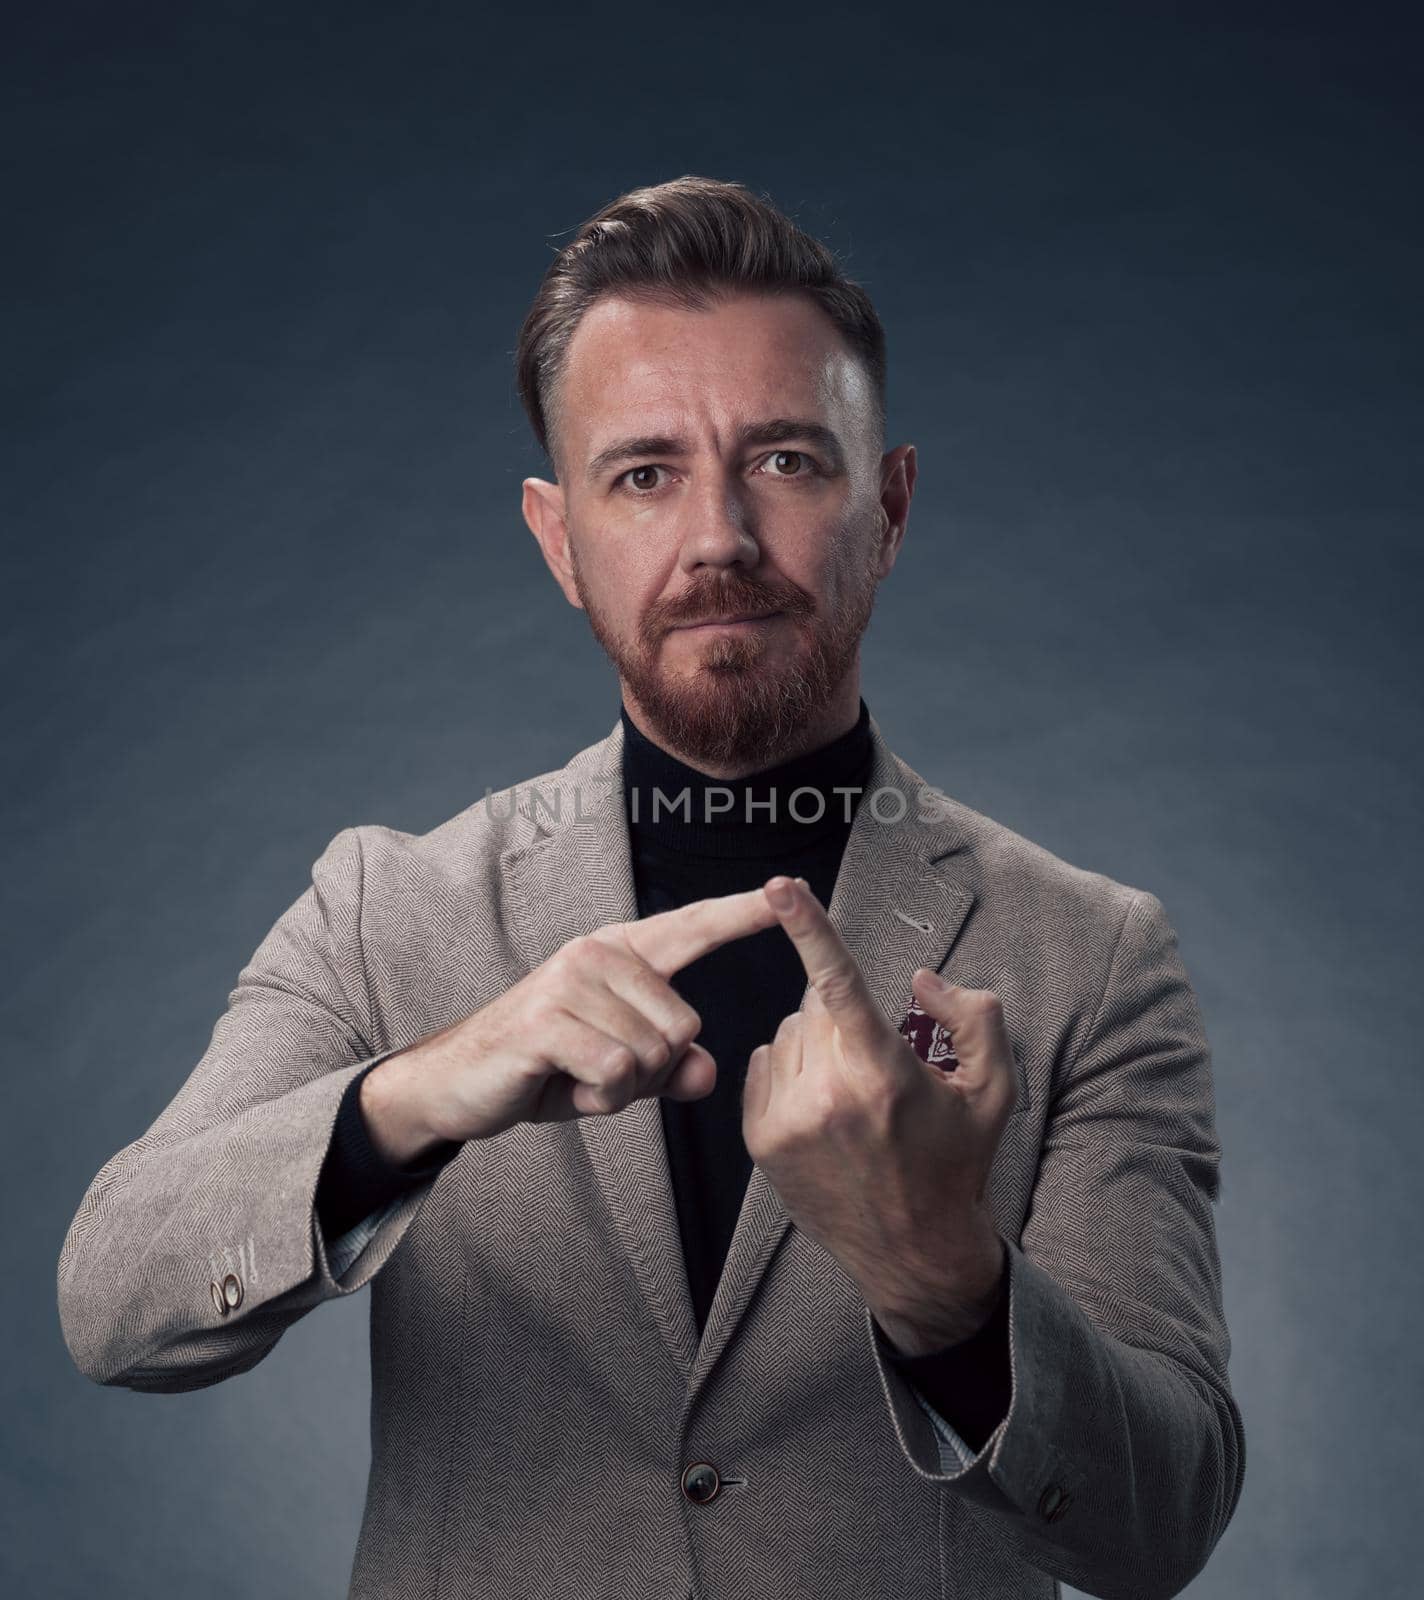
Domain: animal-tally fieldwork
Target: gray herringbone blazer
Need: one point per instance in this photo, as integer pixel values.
(539, 1387)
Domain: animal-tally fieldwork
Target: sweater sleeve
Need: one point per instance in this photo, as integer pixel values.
(967, 1384)
(356, 1179)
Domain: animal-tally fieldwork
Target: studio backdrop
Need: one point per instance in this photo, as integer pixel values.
(1149, 281)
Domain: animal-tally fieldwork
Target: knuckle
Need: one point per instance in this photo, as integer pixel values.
(837, 988)
(619, 1068)
(685, 1027)
(587, 951)
(830, 1109)
(565, 960)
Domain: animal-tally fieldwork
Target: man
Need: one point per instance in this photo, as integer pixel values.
(773, 1177)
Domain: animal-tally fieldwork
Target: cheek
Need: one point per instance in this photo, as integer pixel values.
(828, 564)
(625, 581)
(856, 556)
(613, 565)
(805, 550)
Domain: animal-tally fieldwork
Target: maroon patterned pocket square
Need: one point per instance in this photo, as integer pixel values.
(928, 1039)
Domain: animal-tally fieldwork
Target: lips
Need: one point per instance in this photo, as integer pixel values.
(712, 622)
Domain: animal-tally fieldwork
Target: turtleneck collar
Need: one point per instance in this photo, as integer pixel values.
(759, 815)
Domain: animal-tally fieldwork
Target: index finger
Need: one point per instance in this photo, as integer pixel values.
(671, 940)
(833, 971)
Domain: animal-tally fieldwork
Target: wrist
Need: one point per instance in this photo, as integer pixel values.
(391, 1109)
(924, 1323)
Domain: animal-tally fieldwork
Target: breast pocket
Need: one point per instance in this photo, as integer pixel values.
(931, 1041)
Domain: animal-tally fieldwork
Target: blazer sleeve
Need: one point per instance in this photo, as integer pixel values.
(198, 1244)
(1121, 1457)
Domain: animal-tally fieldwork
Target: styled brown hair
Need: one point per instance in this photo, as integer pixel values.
(686, 242)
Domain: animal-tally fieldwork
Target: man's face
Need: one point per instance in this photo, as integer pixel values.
(713, 465)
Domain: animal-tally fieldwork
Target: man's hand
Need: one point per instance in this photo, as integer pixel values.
(594, 1027)
(879, 1156)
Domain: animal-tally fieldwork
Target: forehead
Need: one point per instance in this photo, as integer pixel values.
(638, 365)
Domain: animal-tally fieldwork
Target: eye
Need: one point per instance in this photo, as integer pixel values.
(797, 458)
(633, 472)
(636, 478)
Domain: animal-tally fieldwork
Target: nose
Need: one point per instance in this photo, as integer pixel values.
(718, 530)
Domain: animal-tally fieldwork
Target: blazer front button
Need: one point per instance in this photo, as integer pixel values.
(700, 1482)
(232, 1291)
(1053, 1502)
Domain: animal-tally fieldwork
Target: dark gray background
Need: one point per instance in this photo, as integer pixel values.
(1150, 277)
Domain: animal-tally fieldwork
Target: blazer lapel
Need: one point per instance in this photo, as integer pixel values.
(896, 903)
(575, 879)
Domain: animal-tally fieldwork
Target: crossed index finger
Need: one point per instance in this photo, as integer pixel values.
(671, 940)
(834, 973)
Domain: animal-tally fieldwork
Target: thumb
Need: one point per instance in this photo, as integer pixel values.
(935, 994)
(974, 1020)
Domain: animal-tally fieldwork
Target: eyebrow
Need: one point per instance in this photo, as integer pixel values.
(775, 431)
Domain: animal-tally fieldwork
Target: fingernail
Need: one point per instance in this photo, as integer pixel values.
(933, 979)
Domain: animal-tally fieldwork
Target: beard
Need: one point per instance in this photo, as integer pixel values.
(735, 706)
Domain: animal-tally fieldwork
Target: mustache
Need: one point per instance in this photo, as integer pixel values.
(715, 599)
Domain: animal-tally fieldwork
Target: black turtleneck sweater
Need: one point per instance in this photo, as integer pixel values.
(689, 843)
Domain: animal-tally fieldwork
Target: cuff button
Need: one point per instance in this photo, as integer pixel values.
(232, 1291)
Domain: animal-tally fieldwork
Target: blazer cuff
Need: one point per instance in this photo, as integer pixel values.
(1019, 1467)
(342, 1251)
(965, 1388)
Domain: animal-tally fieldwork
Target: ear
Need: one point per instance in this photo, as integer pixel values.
(897, 483)
(543, 507)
